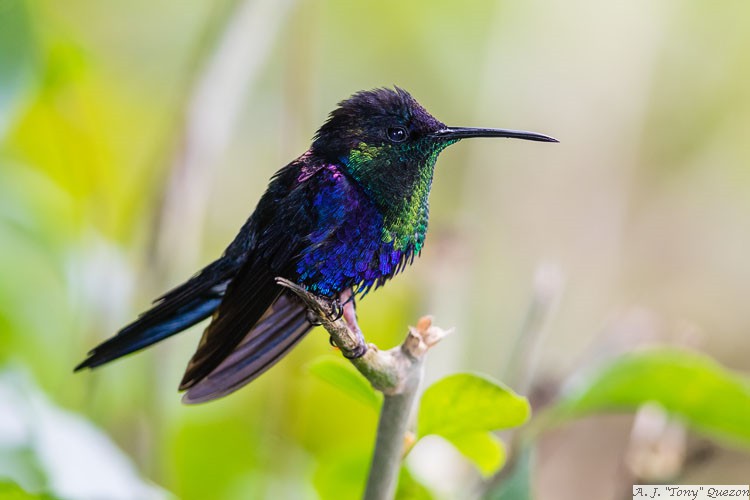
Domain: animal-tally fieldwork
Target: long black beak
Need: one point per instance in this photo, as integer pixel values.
(450, 133)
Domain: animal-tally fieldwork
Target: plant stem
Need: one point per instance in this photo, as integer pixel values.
(396, 373)
(389, 443)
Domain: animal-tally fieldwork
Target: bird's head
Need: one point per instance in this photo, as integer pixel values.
(387, 140)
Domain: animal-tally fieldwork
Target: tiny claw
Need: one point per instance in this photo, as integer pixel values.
(356, 353)
(337, 309)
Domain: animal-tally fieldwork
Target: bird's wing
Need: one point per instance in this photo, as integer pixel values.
(282, 325)
(281, 223)
(248, 296)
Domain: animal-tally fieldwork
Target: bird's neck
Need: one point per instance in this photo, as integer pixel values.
(400, 190)
(405, 217)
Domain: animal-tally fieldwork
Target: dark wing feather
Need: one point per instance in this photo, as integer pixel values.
(282, 325)
(182, 307)
(281, 225)
(251, 292)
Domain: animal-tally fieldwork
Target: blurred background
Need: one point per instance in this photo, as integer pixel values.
(136, 137)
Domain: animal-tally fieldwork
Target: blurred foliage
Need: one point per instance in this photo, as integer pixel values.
(706, 396)
(517, 484)
(643, 206)
(17, 60)
(11, 491)
(55, 453)
(342, 375)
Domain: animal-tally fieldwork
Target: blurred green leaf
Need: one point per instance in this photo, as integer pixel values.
(516, 485)
(11, 491)
(342, 474)
(343, 376)
(485, 450)
(464, 409)
(16, 57)
(707, 396)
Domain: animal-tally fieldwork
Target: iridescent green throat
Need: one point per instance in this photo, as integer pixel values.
(399, 184)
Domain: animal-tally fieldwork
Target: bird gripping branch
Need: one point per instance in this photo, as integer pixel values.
(342, 219)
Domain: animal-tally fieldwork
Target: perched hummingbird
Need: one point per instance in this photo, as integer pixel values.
(340, 220)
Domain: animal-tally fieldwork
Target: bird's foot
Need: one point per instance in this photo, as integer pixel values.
(337, 309)
(335, 312)
(357, 352)
(327, 311)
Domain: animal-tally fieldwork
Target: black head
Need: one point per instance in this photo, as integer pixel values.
(385, 137)
(395, 120)
(378, 118)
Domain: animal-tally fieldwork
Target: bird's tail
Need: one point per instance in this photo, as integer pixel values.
(179, 309)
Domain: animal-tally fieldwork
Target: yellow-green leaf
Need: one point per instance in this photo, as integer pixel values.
(11, 491)
(464, 409)
(707, 396)
(465, 402)
(485, 450)
(343, 376)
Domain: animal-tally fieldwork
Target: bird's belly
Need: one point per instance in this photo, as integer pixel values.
(350, 258)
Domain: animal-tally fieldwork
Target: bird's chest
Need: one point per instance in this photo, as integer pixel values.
(355, 245)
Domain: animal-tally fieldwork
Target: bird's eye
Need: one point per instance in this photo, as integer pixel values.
(396, 134)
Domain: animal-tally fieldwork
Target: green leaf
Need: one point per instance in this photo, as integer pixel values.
(11, 491)
(464, 409)
(343, 376)
(17, 57)
(708, 397)
(485, 450)
(464, 403)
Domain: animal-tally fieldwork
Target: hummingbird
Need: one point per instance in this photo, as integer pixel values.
(342, 219)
